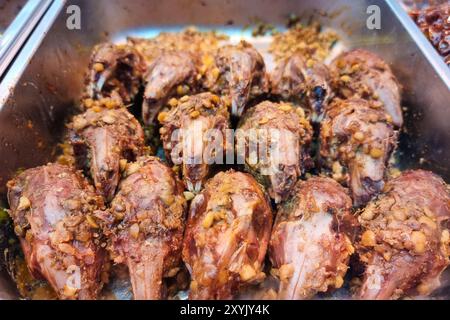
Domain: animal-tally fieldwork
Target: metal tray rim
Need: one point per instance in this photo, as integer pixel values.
(18, 31)
(422, 42)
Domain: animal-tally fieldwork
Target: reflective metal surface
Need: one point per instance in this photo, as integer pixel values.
(46, 79)
(20, 28)
(9, 9)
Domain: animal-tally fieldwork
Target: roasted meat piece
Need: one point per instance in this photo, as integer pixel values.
(357, 140)
(102, 137)
(195, 125)
(434, 21)
(115, 70)
(306, 82)
(145, 224)
(311, 245)
(52, 208)
(362, 74)
(280, 136)
(405, 239)
(172, 74)
(238, 72)
(227, 236)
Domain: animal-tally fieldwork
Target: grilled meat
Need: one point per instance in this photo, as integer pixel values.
(238, 72)
(304, 82)
(115, 71)
(281, 136)
(362, 74)
(311, 243)
(357, 141)
(405, 240)
(103, 136)
(145, 224)
(170, 75)
(52, 208)
(227, 236)
(184, 133)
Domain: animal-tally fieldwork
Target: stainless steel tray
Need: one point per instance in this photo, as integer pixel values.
(46, 79)
(9, 9)
(17, 20)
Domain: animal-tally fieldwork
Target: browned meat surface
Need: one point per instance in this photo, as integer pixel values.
(52, 209)
(405, 244)
(145, 224)
(172, 74)
(357, 140)
(362, 74)
(434, 21)
(103, 137)
(286, 157)
(310, 247)
(227, 236)
(184, 134)
(238, 72)
(115, 70)
(304, 81)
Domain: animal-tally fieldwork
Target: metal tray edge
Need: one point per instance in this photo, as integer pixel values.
(24, 56)
(438, 64)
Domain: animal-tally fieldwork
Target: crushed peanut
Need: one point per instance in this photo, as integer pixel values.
(346, 78)
(123, 164)
(368, 215)
(445, 236)
(132, 168)
(24, 203)
(368, 239)
(79, 123)
(338, 282)
(208, 220)
(428, 221)
(88, 103)
(182, 90)
(215, 73)
(134, 231)
(195, 114)
(419, 241)
(247, 272)
(98, 67)
(162, 117)
(310, 41)
(91, 221)
(285, 108)
(69, 291)
(189, 195)
(376, 153)
(194, 285)
(359, 136)
(173, 103)
(300, 112)
(286, 271)
(263, 121)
